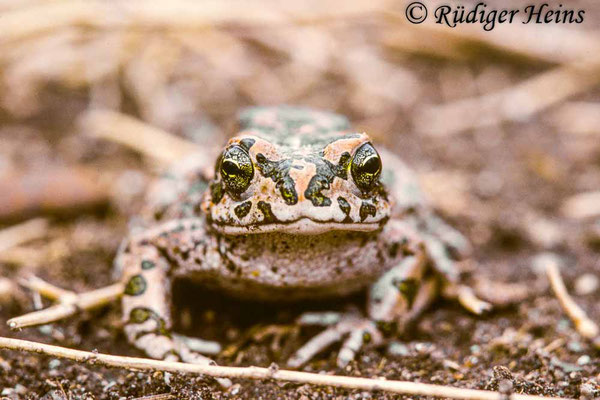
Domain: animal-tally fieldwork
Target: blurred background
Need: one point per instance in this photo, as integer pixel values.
(501, 126)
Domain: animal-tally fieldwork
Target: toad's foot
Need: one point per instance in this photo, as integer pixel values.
(356, 331)
(159, 343)
(467, 298)
(169, 348)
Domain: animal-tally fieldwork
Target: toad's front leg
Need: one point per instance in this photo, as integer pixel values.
(146, 264)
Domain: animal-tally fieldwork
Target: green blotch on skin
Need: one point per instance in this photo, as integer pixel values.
(139, 315)
(367, 209)
(367, 337)
(279, 172)
(265, 208)
(408, 288)
(146, 264)
(135, 286)
(216, 192)
(344, 205)
(243, 209)
(387, 328)
(326, 172)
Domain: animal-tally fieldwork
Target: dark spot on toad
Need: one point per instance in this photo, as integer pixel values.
(279, 172)
(246, 143)
(408, 288)
(216, 192)
(265, 208)
(135, 286)
(147, 264)
(243, 209)
(393, 250)
(325, 173)
(140, 315)
(367, 209)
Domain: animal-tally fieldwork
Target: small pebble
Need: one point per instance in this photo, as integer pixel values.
(20, 389)
(424, 348)
(397, 349)
(586, 284)
(53, 395)
(575, 347)
(7, 290)
(587, 391)
(54, 363)
(235, 389)
(565, 366)
(584, 360)
(451, 365)
(488, 184)
(471, 361)
(109, 384)
(4, 365)
(541, 260)
(45, 330)
(544, 232)
(564, 325)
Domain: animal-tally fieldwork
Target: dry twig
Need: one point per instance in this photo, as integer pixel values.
(52, 189)
(178, 14)
(513, 104)
(585, 326)
(128, 131)
(162, 396)
(46, 289)
(582, 205)
(7, 290)
(69, 302)
(548, 43)
(18, 234)
(579, 118)
(144, 364)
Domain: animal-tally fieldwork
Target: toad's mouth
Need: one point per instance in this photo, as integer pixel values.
(301, 226)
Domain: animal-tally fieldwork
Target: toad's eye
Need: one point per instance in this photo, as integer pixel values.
(366, 167)
(236, 170)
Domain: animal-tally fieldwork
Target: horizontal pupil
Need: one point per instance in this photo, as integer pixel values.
(372, 165)
(230, 168)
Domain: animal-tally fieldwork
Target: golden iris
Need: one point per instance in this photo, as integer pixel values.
(236, 170)
(366, 167)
